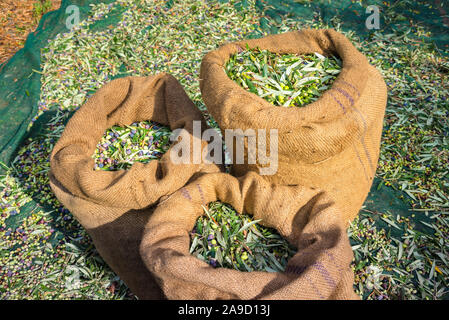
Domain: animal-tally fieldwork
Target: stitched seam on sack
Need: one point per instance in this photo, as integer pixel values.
(314, 286)
(363, 119)
(201, 193)
(360, 160)
(347, 95)
(365, 128)
(324, 273)
(338, 101)
(362, 139)
(353, 87)
(185, 193)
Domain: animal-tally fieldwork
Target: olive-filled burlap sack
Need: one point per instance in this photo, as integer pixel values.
(114, 206)
(307, 218)
(331, 144)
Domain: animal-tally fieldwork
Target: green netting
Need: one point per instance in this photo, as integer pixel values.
(20, 78)
(351, 15)
(20, 82)
(383, 199)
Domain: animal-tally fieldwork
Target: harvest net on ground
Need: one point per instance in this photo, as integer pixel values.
(400, 239)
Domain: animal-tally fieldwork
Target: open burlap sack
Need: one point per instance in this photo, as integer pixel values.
(307, 218)
(331, 144)
(114, 205)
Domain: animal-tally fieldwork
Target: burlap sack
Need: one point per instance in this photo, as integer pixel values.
(114, 205)
(307, 218)
(331, 144)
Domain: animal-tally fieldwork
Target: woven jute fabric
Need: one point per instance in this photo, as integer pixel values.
(114, 206)
(306, 217)
(331, 144)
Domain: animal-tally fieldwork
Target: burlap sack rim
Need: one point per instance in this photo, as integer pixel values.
(309, 112)
(138, 170)
(182, 259)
